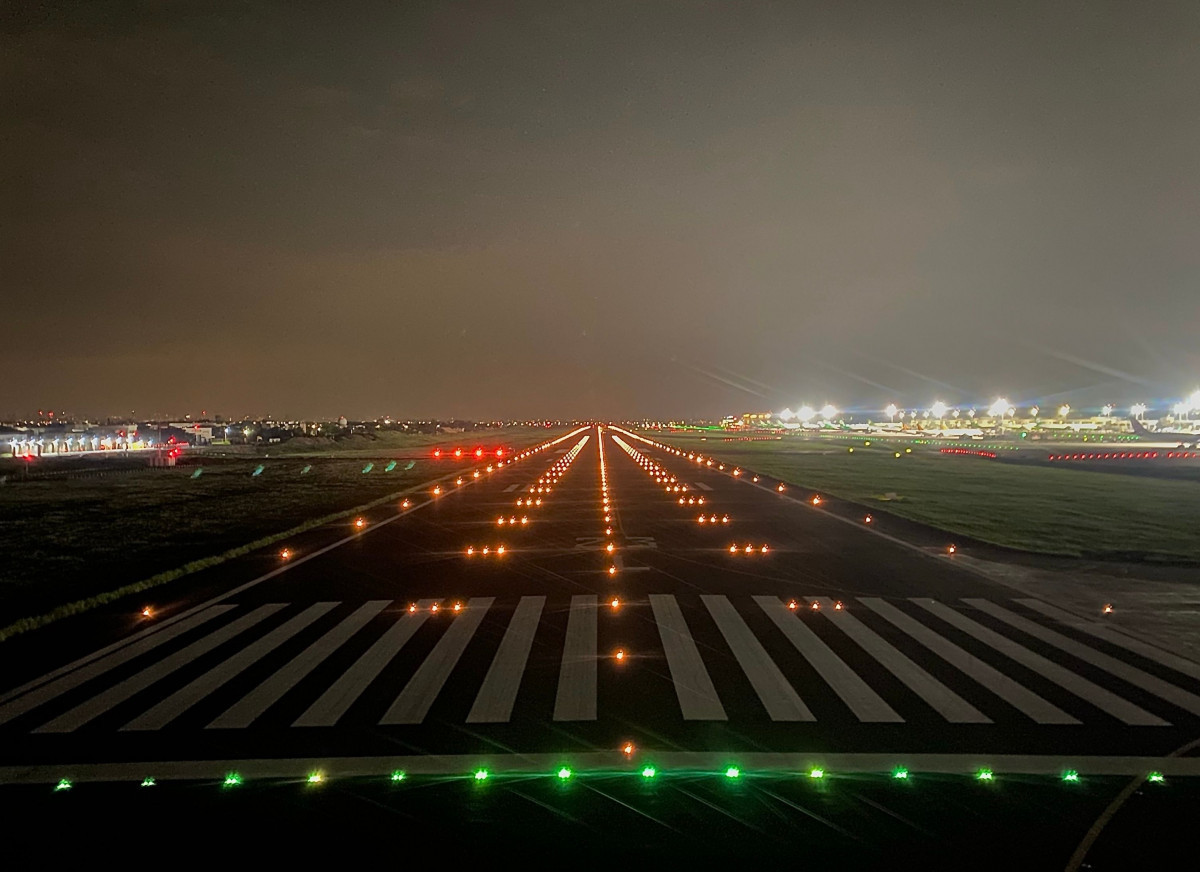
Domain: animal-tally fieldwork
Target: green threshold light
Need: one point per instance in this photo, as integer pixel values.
(900, 773)
(985, 775)
(481, 775)
(397, 776)
(63, 784)
(816, 773)
(733, 772)
(1070, 775)
(232, 780)
(1155, 778)
(148, 781)
(649, 772)
(564, 773)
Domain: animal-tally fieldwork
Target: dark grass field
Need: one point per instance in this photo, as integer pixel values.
(1060, 510)
(74, 530)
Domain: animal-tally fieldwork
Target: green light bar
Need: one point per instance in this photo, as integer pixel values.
(148, 781)
(63, 784)
(232, 779)
(398, 776)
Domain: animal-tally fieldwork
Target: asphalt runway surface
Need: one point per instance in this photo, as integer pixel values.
(771, 675)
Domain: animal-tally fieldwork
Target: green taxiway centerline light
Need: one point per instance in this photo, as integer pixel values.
(148, 781)
(257, 470)
(391, 465)
(900, 772)
(649, 772)
(196, 474)
(1155, 778)
(232, 779)
(481, 774)
(63, 784)
(398, 776)
(307, 469)
(564, 773)
(985, 775)
(1070, 775)
(368, 468)
(733, 772)
(816, 773)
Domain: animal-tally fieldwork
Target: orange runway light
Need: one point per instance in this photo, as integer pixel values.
(285, 554)
(412, 608)
(815, 606)
(147, 612)
(1108, 609)
(792, 604)
(837, 605)
(360, 523)
(628, 748)
(434, 607)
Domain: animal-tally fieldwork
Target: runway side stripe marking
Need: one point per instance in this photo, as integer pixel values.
(166, 710)
(778, 697)
(494, 703)
(512, 487)
(698, 698)
(1016, 695)
(94, 668)
(339, 696)
(865, 703)
(942, 699)
(112, 697)
(1113, 637)
(414, 702)
(1150, 683)
(1102, 699)
(576, 697)
(702, 485)
(243, 712)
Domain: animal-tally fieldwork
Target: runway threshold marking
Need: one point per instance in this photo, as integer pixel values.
(576, 697)
(607, 762)
(698, 699)
(495, 700)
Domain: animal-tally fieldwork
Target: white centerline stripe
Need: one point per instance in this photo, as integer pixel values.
(1016, 695)
(334, 702)
(946, 702)
(698, 698)
(494, 703)
(576, 698)
(119, 693)
(778, 697)
(1102, 699)
(183, 699)
(867, 705)
(243, 712)
(53, 689)
(422, 689)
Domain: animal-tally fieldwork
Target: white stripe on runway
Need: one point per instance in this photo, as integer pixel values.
(702, 485)
(422, 689)
(334, 702)
(494, 703)
(946, 702)
(511, 488)
(698, 698)
(243, 712)
(54, 689)
(183, 699)
(1102, 699)
(1150, 683)
(576, 698)
(778, 697)
(1016, 695)
(1113, 637)
(119, 693)
(867, 705)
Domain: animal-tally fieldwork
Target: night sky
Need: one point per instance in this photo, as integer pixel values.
(503, 210)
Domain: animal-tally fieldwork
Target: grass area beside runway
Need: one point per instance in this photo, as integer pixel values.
(73, 540)
(1036, 508)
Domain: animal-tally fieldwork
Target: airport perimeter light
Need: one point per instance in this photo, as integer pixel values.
(828, 411)
(1000, 408)
(938, 409)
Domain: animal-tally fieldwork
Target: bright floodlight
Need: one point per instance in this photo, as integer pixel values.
(786, 415)
(1064, 410)
(1194, 401)
(805, 413)
(1179, 408)
(1107, 409)
(1137, 409)
(1033, 411)
(938, 409)
(999, 408)
(828, 411)
(891, 410)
